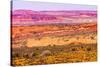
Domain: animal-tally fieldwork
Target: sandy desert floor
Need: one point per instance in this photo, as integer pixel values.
(54, 44)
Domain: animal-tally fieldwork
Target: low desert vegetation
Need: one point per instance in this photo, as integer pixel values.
(54, 54)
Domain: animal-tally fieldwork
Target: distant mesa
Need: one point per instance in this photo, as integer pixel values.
(29, 17)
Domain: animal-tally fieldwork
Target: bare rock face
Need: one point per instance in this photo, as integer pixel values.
(45, 53)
